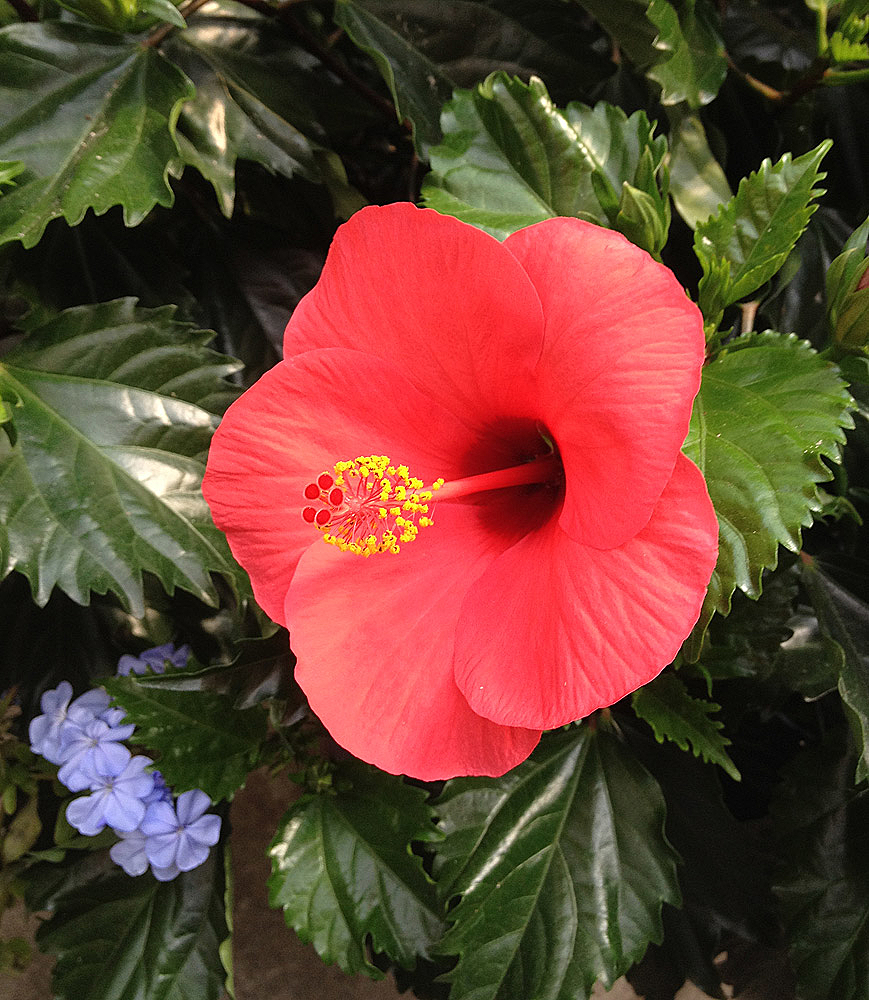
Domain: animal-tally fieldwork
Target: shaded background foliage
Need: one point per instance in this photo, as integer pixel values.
(167, 195)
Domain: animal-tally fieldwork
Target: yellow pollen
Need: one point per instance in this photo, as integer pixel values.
(367, 505)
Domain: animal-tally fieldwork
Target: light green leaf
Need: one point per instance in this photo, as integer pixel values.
(342, 871)
(562, 867)
(767, 415)
(511, 158)
(674, 715)
(92, 118)
(754, 233)
(118, 405)
(251, 102)
(123, 938)
(694, 64)
(197, 738)
(9, 171)
(426, 51)
(697, 182)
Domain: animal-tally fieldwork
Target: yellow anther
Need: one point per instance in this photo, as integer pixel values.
(366, 505)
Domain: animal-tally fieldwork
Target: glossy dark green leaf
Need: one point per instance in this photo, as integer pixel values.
(562, 867)
(117, 407)
(675, 715)
(821, 821)
(122, 938)
(92, 117)
(844, 619)
(426, 51)
(628, 24)
(693, 64)
(343, 873)
(749, 239)
(697, 182)
(766, 417)
(197, 738)
(253, 101)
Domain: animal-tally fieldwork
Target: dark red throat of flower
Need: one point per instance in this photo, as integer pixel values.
(368, 505)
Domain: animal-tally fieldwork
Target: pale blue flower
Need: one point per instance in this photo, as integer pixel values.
(91, 752)
(154, 659)
(115, 800)
(46, 730)
(181, 836)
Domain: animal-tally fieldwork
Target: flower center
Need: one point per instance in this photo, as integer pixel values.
(368, 505)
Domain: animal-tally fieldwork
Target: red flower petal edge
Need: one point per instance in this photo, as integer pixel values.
(549, 380)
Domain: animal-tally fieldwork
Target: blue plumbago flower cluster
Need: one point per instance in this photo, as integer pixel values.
(85, 738)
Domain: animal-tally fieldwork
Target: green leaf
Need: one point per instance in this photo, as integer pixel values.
(426, 51)
(844, 619)
(250, 102)
(562, 867)
(627, 22)
(694, 64)
(697, 182)
(847, 303)
(163, 10)
(118, 405)
(92, 118)
(511, 158)
(674, 715)
(123, 938)
(749, 240)
(198, 739)
(821, 820)
(9, 171)
(766, 417)
(342, 871)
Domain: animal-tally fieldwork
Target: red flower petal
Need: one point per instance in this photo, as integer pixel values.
(620, 367)
(555, 629)
(441, 299)
(300, 418)
(374, 641)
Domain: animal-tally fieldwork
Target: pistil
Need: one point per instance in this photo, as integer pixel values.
(368, 505)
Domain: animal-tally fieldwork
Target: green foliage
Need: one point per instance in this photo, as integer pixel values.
(113, 410)
(511, 158)
(561, 866)
(769, 412)
(242, 69)
(674, 715)
(821, 821)
(694, 64)
(844, 620)
(747, 242)
(118, 938)
(697, 182)
(198, 740)
(847, 303)
(92, 118)
(424, 52)
(342, 871)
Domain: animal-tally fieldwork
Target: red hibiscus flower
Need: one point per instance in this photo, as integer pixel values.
(548, 380)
